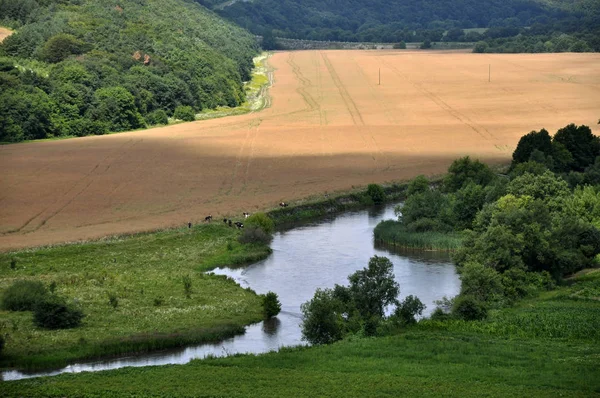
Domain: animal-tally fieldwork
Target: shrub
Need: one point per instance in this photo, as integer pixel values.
(55, 313)
(469, 308)
(187, 286)
(23, 295)
(271, 305)
(254, 235)
(322, 322)
(406, 312)
(185, 113)
(262, 221)
(113, 300)
(376, 193)
(399, 46)
(158, 301)
(159, 116)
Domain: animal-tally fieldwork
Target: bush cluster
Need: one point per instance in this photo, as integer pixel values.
(49, 310)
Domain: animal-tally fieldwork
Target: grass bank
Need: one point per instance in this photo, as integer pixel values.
(323, 206)
(393, 233)
(257, 92)
(461, 360)
(145, 273)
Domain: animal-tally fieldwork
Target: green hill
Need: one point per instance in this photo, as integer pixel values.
(93, 66)
(410, 20)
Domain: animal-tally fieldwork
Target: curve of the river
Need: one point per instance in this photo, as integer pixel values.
(314, 255)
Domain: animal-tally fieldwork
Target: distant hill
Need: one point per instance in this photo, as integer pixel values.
(75, 67)
(406, 20)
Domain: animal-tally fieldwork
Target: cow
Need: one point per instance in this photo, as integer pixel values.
(230, 222)
(239, 225)
(189, 225)
(283, 204)
(246, 215)
(208, 218)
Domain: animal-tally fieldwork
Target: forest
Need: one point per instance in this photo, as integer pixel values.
(558, 26)
(521, 232)
(80, 67)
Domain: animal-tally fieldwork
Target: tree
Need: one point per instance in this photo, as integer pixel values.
(463, 170)
(185, 113)
(376, 193)
(581, 143)
(271, 305)
(262, 221)
(55, 313)
(374, 288)
(269, 42)
(60, 46)
(419, 184)
(322, 322)
(116, 107)
(408, 310)
(23, 295)
(535, 140)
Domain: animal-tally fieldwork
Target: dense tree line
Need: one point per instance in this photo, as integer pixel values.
(523, 231)
(79, 67)
(420, 21)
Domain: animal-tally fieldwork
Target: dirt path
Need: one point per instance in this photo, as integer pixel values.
(4, 33)
(330, 127)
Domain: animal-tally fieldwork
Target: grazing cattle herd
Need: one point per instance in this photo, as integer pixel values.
(231, 223)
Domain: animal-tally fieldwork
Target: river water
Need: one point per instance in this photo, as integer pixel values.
(314, 255)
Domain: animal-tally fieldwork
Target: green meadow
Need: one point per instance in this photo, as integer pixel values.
(555, 354)
(132, 292)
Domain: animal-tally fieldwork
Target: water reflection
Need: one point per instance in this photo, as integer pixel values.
(313, 255)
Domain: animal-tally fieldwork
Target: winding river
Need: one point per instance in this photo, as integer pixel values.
(314, 255)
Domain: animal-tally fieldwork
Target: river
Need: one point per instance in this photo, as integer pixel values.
(310, 256)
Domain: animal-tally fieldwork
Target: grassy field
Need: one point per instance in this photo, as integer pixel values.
(145, 273)
(464, 360)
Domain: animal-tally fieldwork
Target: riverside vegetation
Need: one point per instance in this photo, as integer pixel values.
(546, 346)
(138, 293)
(149, 291)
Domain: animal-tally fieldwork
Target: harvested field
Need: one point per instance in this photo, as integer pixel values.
(330, 127)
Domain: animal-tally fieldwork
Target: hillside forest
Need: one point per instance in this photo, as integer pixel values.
(80, 67)
(500, 25)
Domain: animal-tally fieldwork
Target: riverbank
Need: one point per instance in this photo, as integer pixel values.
(392, 233)
(482, 358)
(145, 274)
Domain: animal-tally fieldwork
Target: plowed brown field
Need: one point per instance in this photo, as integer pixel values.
(330, 126)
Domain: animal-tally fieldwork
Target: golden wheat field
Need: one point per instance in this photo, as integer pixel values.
(330, 126)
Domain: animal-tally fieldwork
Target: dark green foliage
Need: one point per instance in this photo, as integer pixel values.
(268, 41)
(23, 295)
(387, 20)
(468, 200)
(115, 106)
(481, 282)
(419, 184)
(376, 193)
(262, 221)
(581, 143)
(271, 305)
(185, 113)
(592, 173)
(253, 234)
(187, 285)
(546, 187)
(374, 288)
(408, 310)
(536, 140)
(59, 47)
(469, 308)
(430, 205)
(1, 344)
(464, 170)
(322, 322)
(55, 313)
(400, 46)
(332, 313)
(164, 54)
(113, 300)
(157, 117)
